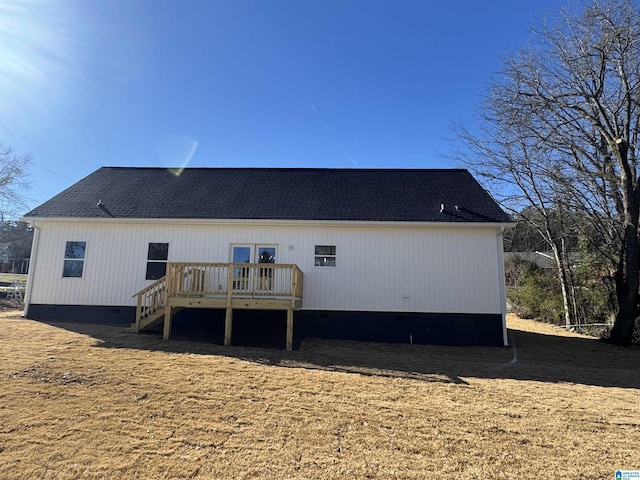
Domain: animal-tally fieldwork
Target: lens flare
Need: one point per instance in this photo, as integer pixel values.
(175, 152)
(37, 56)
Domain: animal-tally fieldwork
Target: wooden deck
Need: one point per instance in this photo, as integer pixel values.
(229, 286)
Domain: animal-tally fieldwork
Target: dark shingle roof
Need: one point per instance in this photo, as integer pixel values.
(277, 194)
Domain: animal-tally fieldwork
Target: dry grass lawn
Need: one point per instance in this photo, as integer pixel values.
(97, 402)
(13, 277)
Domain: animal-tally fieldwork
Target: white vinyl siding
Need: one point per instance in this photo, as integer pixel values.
(385, 268)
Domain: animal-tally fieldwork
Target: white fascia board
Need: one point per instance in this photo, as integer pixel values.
(262, 222)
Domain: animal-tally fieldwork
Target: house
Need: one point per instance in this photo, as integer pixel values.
(373, 254)
(542, 260)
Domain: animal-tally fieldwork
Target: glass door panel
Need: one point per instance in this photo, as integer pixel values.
(241, 254)
(265, 255)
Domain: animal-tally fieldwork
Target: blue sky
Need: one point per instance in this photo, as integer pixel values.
(273, 83)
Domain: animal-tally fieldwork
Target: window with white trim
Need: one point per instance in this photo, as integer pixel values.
(325, 256)
(157, 260)
(74, 253)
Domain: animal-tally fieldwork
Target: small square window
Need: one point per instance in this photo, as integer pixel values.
(325, 256)
(73, 268)
(156, 270)
(158, 251)
(74, 253)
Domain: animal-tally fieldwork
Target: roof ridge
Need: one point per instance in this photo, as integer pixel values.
(413, 169)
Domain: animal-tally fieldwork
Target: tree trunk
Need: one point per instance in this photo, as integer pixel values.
(562, 277)
(627, 284)
(628, 275)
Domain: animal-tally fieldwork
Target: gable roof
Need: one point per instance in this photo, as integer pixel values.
(276, 194)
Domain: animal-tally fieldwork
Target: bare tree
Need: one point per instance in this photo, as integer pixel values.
(559, 129)
(520, 174)
(13, 170)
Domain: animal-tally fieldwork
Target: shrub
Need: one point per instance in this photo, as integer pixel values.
(536, 293)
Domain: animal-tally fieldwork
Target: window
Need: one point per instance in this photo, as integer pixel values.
(325, 256)
(74, 259)
(157, 260)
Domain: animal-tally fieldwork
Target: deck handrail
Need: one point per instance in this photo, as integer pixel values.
(225, 264)
(150, 300)
(220, 278)
(149, 287)
(153, 297)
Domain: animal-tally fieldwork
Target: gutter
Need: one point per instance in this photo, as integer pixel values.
(32, 265)
(269, 222)
(502, 287)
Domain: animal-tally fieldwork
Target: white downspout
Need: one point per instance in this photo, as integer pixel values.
(502, 289)
(32, 266)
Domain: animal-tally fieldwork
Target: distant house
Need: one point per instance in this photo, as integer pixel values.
(541, 260)
(373, 254)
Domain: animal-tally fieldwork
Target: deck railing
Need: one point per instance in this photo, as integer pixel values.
(195, 279)
(151, 299)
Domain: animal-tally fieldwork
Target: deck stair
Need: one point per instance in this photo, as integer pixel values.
(150, 321)
(152, 300)
(150, 307)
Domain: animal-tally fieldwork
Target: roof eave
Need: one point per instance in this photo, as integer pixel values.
(261, 222)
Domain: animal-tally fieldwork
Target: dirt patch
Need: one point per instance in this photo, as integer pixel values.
(11, 306)
(41, 373)
(91, 401)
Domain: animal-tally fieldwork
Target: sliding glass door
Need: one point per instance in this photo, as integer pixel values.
(248, 254)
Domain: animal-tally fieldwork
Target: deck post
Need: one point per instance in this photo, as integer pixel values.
(228, 318)
(136, 327)
(168, 318)
(289, 329)
(228, 326)
(168, 291)
(294, 285)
